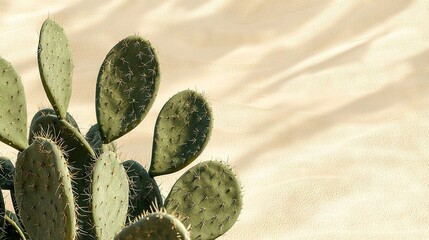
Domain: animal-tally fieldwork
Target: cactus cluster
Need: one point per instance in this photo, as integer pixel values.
(69, 185)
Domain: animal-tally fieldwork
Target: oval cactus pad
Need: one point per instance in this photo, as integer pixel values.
(109, 189)
(42, 178)
(55, 65)
(156, 226)
(13, 110)
(182, 131)
(126, 88)
(208, 196)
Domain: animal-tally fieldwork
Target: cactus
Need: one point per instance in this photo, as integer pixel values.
(12, 229)
(208, 197)
(144, 191)
(55, 65)
(157, 225)
(42, 178)
(182, 131)
(67, 185)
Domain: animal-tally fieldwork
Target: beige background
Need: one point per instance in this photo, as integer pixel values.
(321, 107)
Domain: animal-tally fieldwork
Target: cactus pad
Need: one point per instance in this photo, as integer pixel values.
(50, 111)
(109, 196)
(144, 191)
(126, 87)
(155, 226)
(93, 136)
(42, 178)
(182, 131)
(13, 110)
(12, 228)
(55, 65)
(7, 170)
(208, 196)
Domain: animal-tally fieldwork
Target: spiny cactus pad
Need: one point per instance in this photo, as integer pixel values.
(144, 192)
(109, 196)
(80, 159)
(7, 170)
(93, 136)
(13, 110)
(208, 196)
(12, 229)
(50, 111)
(42, 178)
(155, 226)
(182, 131)
(2, 210)
(55, 65)
(126, 87)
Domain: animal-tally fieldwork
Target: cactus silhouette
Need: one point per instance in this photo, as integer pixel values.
(69, 185)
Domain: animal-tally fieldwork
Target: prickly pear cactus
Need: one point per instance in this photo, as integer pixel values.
(42, 178)
(67, 185)
(126, 87)
(208, 196)
(155, 226)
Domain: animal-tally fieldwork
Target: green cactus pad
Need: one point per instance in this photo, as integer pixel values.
(208, 196)
(42, 178)
(55, 65)
(13, 110)
(126, 87)
(2, 210)
(109, 189)
(12, 228)
(144, 192)
(7, 171)
(80, 158)
(182, 131)
(93, 136)
(155, 226)
(50, 111)
(52, 127)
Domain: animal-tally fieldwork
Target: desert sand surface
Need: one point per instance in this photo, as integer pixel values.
(321, 107)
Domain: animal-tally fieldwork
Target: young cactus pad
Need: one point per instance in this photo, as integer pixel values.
(13, 117)
(155, 226)
(144, 191)
(182, 131)
(44, 192)
(109, 190)
(126, 88)
(55, 65)
(208, 196)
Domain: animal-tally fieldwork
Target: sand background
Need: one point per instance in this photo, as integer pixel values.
(321, 107)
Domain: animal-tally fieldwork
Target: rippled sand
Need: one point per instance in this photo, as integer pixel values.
(322, 107)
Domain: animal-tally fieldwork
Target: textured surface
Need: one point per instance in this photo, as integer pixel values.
(12, 228)
(93, 136)
(80, 158)
(208, 197)
(182, 131)
(144, 193)
(109, 190)
(13, 111)
(126, 87)
(42, 178)
(320, 106)
(50, 111)
(7, 170)
(155, 226)
(55, 65)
